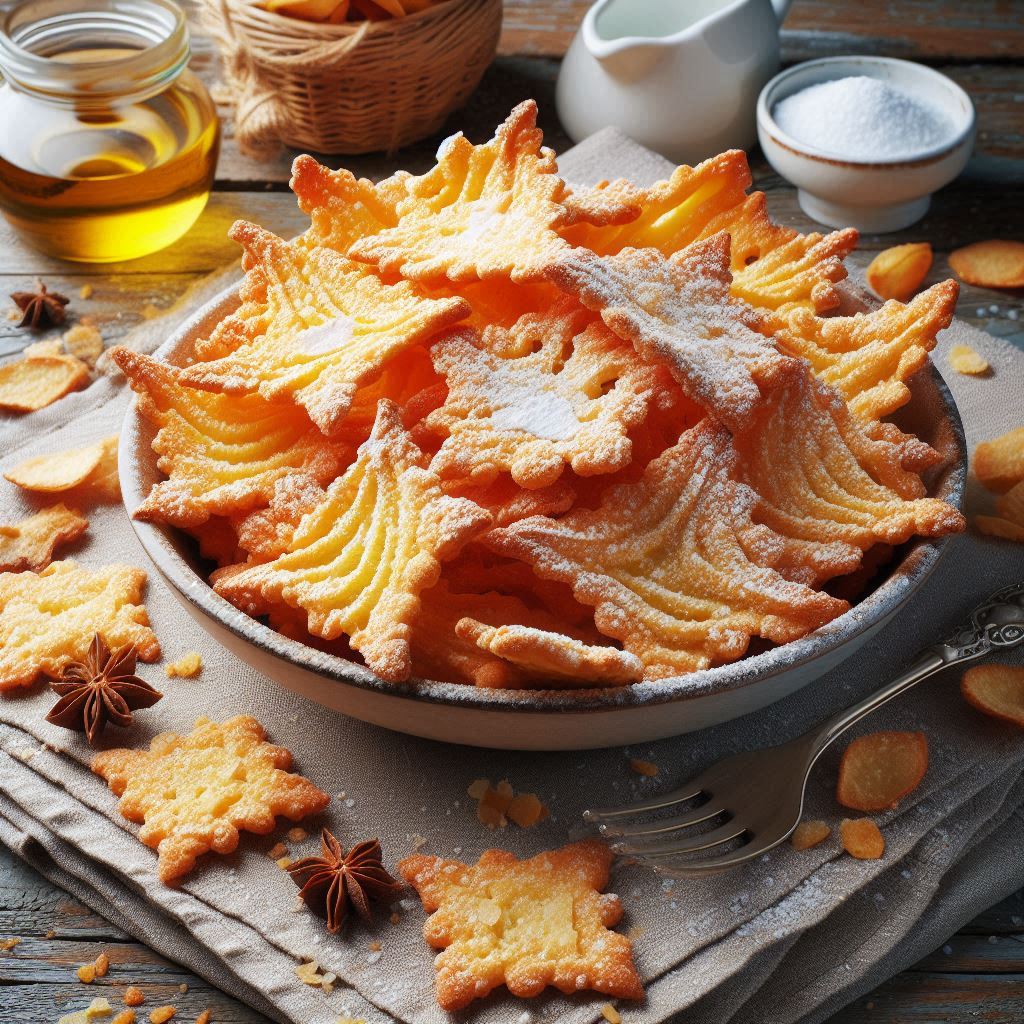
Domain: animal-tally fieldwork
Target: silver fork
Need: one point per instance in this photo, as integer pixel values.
(753, 801)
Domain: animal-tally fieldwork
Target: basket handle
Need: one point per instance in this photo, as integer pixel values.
(260, 115)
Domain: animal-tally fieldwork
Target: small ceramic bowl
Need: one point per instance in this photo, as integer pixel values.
(871, 195)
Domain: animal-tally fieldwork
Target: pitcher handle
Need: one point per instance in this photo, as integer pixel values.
(781, 8)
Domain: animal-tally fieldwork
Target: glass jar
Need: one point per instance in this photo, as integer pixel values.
(108, 142)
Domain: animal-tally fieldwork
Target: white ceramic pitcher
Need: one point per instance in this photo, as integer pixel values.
(680, 76)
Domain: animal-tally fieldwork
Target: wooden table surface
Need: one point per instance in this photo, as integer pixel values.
(979, 973)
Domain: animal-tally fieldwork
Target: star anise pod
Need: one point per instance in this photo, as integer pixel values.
(41, 308)
(332, 881)
(102, 688)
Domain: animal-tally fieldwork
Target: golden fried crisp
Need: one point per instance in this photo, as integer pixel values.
(35, 382)
(342, 207)
(507, 502)
(330, 327)
(556, 389)
(64, 470)
(524, 924)
(30, 544)
(819, 481)
(266, 533)
(218, 540)
(359, 561)
(677, 311)
(438, 652)
(673, 213)
(801, 272)
(196, 793)
(484, 211)
(869, 357)
(49, 619)
(999, 463)
(774, 266)
(223, 454)
(663, 562)
(552, 659)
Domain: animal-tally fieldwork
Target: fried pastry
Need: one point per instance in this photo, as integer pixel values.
(553, 659)
(869, 357)
(331, 327)
(524, 924)
(223, 454)
(358, 562)
(30, 544)
(677, 311)
(196, 793)
(485, 211)
(556, 389)
(663, 562)
(48, 619)
(819, 481)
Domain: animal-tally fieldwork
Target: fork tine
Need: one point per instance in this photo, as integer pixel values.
(656, 803)
(723, 834)
(694, 816)
(708, 865)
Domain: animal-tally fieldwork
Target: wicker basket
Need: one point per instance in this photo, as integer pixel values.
(355, 88)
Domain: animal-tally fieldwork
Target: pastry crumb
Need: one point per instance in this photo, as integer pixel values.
(86, 974)
(162, 1014)
(133, 996)
(124, 1017)
(610, 1014)
(646, 768)
(297, 834)
(6, 945)
(85, 292)
(187, 667)
(277, 851)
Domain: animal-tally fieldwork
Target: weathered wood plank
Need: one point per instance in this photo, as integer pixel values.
(44, 1003)
(916, 29)
(56, 961)
(929, 998)
(31, 906)
(977, 954)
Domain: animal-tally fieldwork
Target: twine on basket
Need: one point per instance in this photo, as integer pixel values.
(350, 88)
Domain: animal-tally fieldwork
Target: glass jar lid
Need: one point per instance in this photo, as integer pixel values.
(73, 51)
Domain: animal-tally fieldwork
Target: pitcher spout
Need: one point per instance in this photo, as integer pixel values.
(625, 57)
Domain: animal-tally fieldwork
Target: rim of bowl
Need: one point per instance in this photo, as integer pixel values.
(766, 100)
(159, 542)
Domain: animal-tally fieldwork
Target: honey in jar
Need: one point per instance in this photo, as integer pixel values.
(108, 142)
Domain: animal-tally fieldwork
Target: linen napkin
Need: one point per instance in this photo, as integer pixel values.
(790, 938)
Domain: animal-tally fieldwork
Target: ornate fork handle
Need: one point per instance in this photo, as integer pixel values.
(996, 624)
(999, 622)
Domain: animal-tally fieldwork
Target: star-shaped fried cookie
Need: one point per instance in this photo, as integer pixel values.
(196, 793)
(869, 357)
(664, 562)
(484, 211)
(331, 326)
(677, 311)
(524, 924)
(358, 562)
(48, 619)
(223, 454)
(342, 207)
(30, 544)
(556, 389)
(829, 489)
(507, 502)
(698, 202)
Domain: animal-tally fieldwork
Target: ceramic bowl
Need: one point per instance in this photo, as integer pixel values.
(530, 719)
(871, 195)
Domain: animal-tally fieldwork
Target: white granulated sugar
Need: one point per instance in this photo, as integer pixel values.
(543, 414)
(862, 118)
(326, 337)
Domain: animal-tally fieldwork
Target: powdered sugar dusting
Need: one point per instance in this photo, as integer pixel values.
(542, 414)
(325, 337)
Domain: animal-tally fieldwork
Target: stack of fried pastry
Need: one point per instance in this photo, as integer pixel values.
(480, 427)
